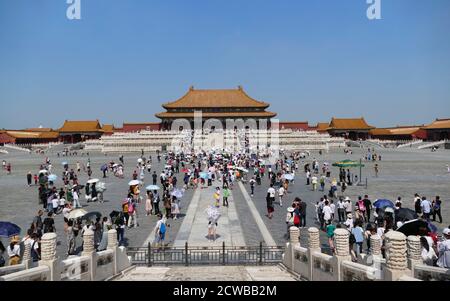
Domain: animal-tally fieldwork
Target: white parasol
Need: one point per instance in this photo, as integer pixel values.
(213, 214)
(92, 181)
(134, 183)
(76, 213)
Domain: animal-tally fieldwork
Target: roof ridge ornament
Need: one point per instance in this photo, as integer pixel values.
(191, 88)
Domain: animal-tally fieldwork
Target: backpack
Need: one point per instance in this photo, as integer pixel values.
(162, 228)
(296, 220)
(361, 206)
(34, 254)
(130, 208)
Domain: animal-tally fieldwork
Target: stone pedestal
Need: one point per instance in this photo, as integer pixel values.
(89, 250)
(342, 245)
(48, 256)
(314, 247)
(414, 253)
(112, 245)
(26, 259)
(396, 261)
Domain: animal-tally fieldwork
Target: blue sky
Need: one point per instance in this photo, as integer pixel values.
(310, 59)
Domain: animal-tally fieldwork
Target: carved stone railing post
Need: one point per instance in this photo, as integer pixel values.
(112, 245)
(48, 255)
(89, 250)
(396, 262)
(314, 238)
(414, 252)
(294, 235)
(313, 247)
(342, 245)
(26, 259)
(375, 245)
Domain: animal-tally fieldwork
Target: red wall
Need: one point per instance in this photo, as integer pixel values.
(127, 128)
(421, 134)
(4, 138)
(295, 125)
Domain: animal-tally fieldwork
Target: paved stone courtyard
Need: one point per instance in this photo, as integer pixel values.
(403, 172)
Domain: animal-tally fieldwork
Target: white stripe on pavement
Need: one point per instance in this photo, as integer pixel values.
(259, 222)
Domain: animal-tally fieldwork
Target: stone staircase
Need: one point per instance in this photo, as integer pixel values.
(208, 273)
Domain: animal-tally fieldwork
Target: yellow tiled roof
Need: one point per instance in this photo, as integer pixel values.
(215, 99)
(80, 126)
(349, 124)
(439, 124)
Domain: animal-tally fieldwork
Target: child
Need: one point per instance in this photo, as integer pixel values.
(330, 234)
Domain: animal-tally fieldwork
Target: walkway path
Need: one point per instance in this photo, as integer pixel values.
(195, 225)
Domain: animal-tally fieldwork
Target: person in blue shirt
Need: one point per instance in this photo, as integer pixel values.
(358, 233)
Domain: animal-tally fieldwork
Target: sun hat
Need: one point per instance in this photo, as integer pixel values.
(446, 231)
(347, 198)
(349, 215)
(15, 239)
(290, 209)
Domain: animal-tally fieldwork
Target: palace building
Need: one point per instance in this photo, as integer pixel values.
(222, 105)
(350, 128)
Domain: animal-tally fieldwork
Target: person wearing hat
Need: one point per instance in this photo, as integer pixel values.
(348, 205)
(349, 221)
(443, 248)
(290, 218)
(14, 251)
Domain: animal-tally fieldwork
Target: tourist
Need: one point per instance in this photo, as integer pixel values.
(302, 211)
(35, 248)
(436, 205)
(70, 238)
(37, 224)
(443, 248)
(348, 206)
(290, 220)
(49, 223)
(426, 208)
(362, 207)
(156, 201)
(35, 179)
(2, 252)
(8, 168)
(341, 210)
(281, 192)
(314, 182)
(322, 183)
(14, 251)
(333, 209)
(75, 197)
(132, 214)
(429, 257)
(120, 228)
(368, 206)
(104, 235)
(327, 213)
(349, 222)
(226, 195)
(270, 199)
(55, 204)
(330, 234)
(29, 178)
(148, 203)
(376, 168)
(358, 232)
(217, 197)
(160, 231)
(417, 204)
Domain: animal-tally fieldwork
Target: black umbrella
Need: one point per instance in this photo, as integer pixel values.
(405, 214)
(113, 214)
(416, 227)
(91, 215)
